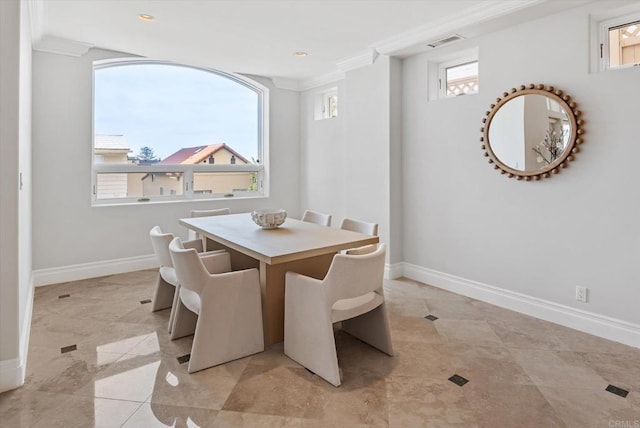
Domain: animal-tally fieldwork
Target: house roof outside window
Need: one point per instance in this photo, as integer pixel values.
(111, 143)
(194, 155)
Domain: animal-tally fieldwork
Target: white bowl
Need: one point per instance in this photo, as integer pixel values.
(269, 218)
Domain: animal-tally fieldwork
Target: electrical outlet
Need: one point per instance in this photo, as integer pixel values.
(581, 294)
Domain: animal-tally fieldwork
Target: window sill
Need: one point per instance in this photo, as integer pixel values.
(173, 201)
(456, 97)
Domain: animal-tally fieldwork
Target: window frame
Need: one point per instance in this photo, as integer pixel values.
(322, 103)
(188, 171)
(442, 73)
(604, 26)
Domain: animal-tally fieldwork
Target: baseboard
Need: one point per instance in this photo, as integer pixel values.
(393, 271)
(588, 322)
(92, 270)
(12, 372)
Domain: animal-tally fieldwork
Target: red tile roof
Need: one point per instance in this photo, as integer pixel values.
(193, 155)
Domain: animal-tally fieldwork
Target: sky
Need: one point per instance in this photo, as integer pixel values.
(169, 107)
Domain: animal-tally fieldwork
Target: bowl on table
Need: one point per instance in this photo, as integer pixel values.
(269, 218)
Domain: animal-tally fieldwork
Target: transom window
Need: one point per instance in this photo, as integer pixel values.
(458, 77)
(619, 42)
(326, 104)
(624, 45)
(164, 131)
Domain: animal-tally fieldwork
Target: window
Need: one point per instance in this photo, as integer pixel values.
(458, 77)
(171, 132)
(326, 104)
(620, 46)
(618, 40)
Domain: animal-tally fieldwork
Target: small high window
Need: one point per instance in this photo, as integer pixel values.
(624, 45)
(458, 77)
(619, 42)
(326, 104)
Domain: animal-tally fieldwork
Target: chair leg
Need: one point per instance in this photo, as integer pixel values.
(163, 295)
(184, 322)
(174, 306)
(311, 344)
(372, 328)
(227, 330)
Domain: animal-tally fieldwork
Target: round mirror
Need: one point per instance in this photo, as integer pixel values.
(532, 132)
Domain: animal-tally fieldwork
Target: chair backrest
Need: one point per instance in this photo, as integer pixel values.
(205, 213)
(160, 242)
(190, 271)
(360, 226)
(352, 276)
(359, 251)
(317, 218)
(209, 213)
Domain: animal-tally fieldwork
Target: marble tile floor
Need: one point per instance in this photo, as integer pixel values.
(120, 369)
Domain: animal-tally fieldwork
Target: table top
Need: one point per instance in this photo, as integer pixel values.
(293, 240)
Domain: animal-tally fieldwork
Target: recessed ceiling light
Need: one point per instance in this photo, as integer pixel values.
(145, 17)
(300, 54)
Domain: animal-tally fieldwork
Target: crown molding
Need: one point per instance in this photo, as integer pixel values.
(452, 23)
(36, 19)
(283, 83)
(324, 79)
(362, 59)
(58, 45)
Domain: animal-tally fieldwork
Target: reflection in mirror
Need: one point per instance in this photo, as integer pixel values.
(529, 132)
(532, 132)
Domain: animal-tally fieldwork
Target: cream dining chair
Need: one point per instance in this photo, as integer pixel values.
(167, 286)
(222, 309)
(360, 226)
(317, 218)
(350, 293)
(205, 213)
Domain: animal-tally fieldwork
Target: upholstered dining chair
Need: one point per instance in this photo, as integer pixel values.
(222, 309)
(167, 286)
(317, 218)
(350, 293)
(360, 226)
(205, 213)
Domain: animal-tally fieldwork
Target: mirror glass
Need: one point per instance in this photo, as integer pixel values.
(530, 132)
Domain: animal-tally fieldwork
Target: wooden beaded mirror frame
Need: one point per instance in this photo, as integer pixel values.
(532, 132)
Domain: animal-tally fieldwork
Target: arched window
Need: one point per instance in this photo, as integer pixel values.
(169, 121)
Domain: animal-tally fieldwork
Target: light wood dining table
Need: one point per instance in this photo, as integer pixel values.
(297, 246)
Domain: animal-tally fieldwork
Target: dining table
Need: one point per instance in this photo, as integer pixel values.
(297, 246)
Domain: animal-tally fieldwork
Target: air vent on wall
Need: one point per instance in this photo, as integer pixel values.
(445, 40)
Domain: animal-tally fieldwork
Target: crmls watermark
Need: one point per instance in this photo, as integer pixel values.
(617, 423)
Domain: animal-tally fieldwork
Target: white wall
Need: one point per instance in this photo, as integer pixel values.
(9, 149)
(25, 262)
(347, 161)
(541, 239)
(395, 165)
(62, 136)
(367, 145)
(323, 157)
(16, 296)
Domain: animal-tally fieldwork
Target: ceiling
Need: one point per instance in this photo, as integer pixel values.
(260, 36)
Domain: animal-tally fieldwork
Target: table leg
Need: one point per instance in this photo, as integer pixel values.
(239, 261)
(272, 283)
